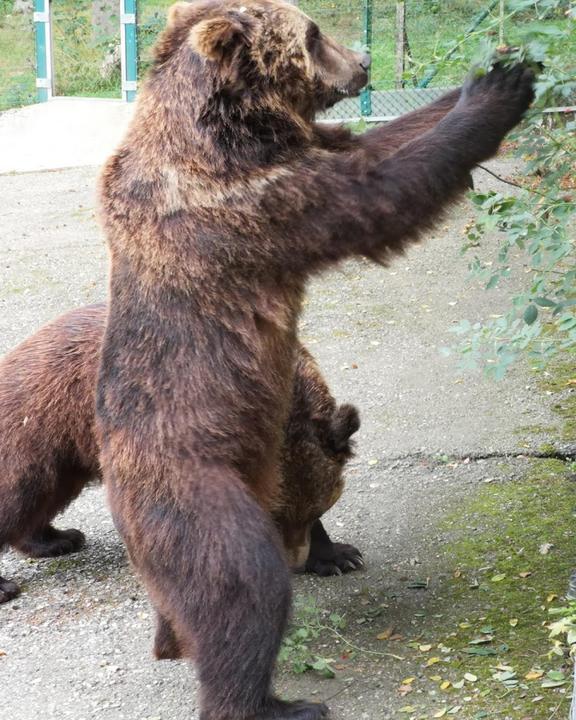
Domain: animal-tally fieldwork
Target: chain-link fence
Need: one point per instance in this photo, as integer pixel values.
(418, 47)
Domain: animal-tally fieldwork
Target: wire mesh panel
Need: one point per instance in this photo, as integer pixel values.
(86, 48)
(17, 60)
(406, 39)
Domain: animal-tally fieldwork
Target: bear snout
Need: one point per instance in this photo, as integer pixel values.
(365, 61)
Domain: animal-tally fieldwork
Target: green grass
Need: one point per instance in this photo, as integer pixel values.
(17, 79)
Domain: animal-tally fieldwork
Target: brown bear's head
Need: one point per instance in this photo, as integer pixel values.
(257, 53)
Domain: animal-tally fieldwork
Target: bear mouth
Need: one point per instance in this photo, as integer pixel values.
(350, 90)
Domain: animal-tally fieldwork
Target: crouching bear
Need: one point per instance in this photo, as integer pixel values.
(49, 450)
(222, 201)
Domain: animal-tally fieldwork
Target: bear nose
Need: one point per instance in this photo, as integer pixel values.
(365, 61)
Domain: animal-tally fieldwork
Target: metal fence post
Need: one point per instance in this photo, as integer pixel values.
(400, 44)
(43, 32)
(128, 54)
(366, 94)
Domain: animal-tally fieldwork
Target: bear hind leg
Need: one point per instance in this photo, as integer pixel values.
(216, 572)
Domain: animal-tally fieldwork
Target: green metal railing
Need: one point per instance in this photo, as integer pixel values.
(129, 50)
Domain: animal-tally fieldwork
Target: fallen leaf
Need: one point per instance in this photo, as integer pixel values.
(425, 648)
(458, 685)
(553, 683)
(513, 622)
(445, 685)
(386, 634)
(464, 625)
(545, 548)
(481, 640)
(2, 653)
(407, 709)
(525, 574)
(433, 661)
(478, 650)
(454, 710)
(436, 678)
(507, 678)
(418, 585)
(534, 675)
(404, 690)
(551, 597)
(499, 577)
(407, 681)
(440, 713)
(470, 677)
(555, 675)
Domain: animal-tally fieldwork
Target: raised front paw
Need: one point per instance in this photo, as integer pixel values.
(337, 559)
(504, 94)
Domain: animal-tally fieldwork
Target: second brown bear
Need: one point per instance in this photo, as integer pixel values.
(49, 451)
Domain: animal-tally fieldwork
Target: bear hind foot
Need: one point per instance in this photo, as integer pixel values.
(50, 542)
(8, 590)
(298, 710)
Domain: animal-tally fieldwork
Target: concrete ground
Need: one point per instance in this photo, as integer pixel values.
(76, 644)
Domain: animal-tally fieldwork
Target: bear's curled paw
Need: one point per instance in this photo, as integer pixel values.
(334, 559)
(504, 93)
(8, 590)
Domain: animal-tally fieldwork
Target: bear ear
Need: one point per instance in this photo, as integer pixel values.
(217, 37)
(178, 13)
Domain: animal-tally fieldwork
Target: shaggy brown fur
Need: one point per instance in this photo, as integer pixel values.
(48, 451)
(220, 203)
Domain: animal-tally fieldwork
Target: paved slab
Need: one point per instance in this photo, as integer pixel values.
(65, 132)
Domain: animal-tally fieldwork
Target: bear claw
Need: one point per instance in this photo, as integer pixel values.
(336, 559)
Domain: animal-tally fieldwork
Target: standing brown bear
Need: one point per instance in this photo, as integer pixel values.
(220, 203)
(49, 449)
